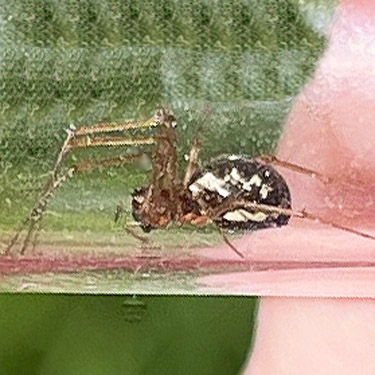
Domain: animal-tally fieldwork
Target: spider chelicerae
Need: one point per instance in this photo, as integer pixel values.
(232, 192)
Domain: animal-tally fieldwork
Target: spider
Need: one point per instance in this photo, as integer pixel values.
(233, 192)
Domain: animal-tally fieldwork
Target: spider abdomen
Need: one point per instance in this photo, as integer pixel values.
(240, 179)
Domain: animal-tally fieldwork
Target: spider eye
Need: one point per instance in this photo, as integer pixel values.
(174, 124)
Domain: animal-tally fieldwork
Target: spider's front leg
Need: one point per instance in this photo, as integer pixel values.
(195, 219)
(161, 202)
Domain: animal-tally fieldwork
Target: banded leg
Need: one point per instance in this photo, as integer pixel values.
(196, 220)
(273, 160)
(38, 211)
(193, 160)
(233, 204)
(111, 142)
(94, 136)
(229, 243)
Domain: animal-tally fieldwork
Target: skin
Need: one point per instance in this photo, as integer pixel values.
(329, 336)
(314, 336)
(330, 129)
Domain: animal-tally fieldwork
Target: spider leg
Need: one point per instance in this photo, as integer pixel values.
(137, 236)
(119, 212)
(66, 147)
(84, 137)
(193, 159)
(30, 232)
(194, 219)
(273, 160)
(227, 241)
(109, 162)
(146, 245)
(115, 127)
(306, 215)
(53, 184)
(34, 241)
(233, 204)
(54, 175)
(15, 238)
(85, 142)
(118, 215)
(38, 211)
(81, 138)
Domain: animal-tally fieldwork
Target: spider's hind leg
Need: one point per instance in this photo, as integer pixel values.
(270, 159)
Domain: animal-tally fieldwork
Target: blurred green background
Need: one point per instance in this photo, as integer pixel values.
(230, 67)
(71, 335)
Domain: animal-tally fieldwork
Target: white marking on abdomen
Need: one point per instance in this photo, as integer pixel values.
(243, 215)
(264, 191)
(211, 183)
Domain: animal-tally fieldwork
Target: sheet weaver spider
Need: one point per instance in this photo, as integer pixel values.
(235, 193)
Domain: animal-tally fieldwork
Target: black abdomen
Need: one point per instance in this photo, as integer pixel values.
(242, 179)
